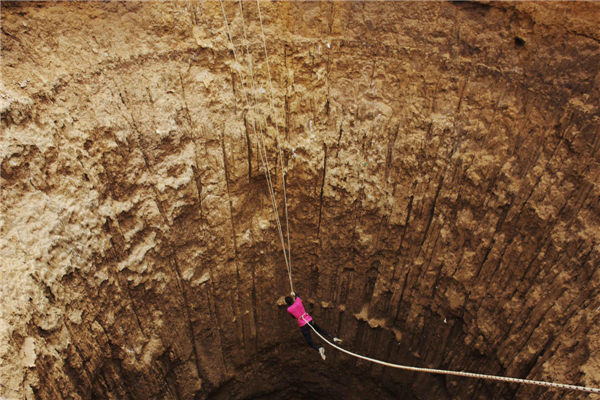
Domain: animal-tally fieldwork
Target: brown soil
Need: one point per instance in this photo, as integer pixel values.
(443, 172)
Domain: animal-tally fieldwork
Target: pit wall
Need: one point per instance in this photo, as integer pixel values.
(443, 174)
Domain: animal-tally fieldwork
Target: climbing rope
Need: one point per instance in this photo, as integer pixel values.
(263, 149)
(266, 160)
(263, 152)
(277, 130)
(460, 373)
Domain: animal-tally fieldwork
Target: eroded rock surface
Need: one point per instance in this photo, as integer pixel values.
(443, 175)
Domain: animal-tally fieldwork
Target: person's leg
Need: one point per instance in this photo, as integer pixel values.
(325, 333)
(306, 332)
(320, 330)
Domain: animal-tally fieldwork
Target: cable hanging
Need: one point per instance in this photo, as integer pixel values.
(460, 373)
(277, 130)
(263, 151)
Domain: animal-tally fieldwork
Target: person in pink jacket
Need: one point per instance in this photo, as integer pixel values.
(296, 309)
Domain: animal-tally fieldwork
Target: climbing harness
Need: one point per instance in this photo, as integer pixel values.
(302, 317)
(287, 254)
(460, 373)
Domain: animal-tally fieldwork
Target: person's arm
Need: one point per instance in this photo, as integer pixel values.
(294, 296)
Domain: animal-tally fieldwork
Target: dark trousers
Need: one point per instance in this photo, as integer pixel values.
(306, 332)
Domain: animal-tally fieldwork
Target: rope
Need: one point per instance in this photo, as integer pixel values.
(264, 147)
(263, 157)
(460, 373)
(277, 130)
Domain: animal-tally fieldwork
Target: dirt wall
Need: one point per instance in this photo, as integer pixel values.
(443, 173)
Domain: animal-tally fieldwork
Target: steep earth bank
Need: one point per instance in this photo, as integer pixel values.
(443, 175)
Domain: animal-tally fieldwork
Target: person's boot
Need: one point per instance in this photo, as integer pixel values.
(337, 340)
(322, 352)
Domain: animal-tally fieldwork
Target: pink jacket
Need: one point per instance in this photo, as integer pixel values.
(297, 310)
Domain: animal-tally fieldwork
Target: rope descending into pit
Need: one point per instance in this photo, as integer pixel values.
(263, 149)
(460, 373)
(278, 141)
